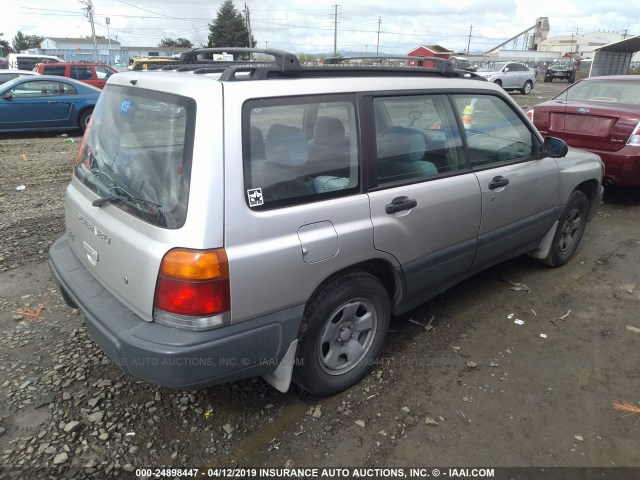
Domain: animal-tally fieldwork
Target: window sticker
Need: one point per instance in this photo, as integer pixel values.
(126, 105)
(255, 197)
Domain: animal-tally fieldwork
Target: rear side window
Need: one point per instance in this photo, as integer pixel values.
(58, 70)
(298, 151)
(81, 72)
(416, 137)
(139, 147)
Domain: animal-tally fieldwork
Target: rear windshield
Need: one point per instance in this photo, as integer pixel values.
(609, 91)
(137, 153)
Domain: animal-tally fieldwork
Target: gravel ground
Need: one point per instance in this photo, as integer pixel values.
(459, 383)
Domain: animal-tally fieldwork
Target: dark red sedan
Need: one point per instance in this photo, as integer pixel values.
(602, 115)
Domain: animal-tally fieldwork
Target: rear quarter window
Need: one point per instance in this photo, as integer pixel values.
(299, 150)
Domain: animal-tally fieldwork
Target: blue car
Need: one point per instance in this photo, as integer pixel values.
(46, 103)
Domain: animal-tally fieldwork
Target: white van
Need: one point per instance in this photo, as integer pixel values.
(27, 61)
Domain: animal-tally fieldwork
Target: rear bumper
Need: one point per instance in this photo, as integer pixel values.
(168, 356)
(621, 167)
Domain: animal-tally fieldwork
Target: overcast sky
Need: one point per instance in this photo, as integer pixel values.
(308, 26)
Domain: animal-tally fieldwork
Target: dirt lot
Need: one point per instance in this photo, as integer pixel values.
(472, 389)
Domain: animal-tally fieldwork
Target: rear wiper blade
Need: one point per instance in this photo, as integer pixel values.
(125, 198)
(109, 198)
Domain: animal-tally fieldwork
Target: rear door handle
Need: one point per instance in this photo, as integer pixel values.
(498, 182)
(399, 204)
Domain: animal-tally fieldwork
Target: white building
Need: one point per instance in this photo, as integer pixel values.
(59, 43)
(581, 44)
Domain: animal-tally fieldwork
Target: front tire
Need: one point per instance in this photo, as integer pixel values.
(528, 86)
(342, 333)
(570, 230)
(498, 82)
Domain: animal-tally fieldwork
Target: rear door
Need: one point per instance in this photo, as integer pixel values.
(519, 190)
(84, 73)
(425, 202)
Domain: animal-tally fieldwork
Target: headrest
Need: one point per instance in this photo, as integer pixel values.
(328, 130)
(286, 145)
(401, 143)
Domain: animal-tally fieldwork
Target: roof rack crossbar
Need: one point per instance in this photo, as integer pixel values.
(285, 60)
(442, 65)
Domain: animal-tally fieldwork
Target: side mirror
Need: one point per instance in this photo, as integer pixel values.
(6, 96)
(506, 69)
(555, 147)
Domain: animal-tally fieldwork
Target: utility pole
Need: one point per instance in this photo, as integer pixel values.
(576, 35)
(108, 21)
(335, 30)
(248, 20)
(89, 9)
(378, 44)
(469, 42)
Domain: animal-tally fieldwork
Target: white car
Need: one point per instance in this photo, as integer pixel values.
(6, 75)
(510, 76)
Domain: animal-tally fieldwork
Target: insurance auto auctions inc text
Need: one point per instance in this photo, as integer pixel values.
(374, 473)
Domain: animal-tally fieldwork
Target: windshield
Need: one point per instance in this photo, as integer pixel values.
(493, 67)
(609, 91)
(137, 150)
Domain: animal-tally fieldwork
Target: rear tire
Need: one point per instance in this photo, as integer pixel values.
(528, 86)
(342, 333)
(83, 120)
(570, 230)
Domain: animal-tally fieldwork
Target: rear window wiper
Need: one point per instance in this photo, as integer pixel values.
(158, 216)
(125, 198)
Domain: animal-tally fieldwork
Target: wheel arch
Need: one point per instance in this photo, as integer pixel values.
(591, 188)
(378, 268)
(83, 110)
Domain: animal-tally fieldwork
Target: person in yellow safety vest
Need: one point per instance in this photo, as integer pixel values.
(467, 113)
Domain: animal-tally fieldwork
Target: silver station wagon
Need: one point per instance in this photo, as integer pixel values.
(262, 218)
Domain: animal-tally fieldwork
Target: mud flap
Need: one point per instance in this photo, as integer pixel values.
(545, 244)
(280, 378)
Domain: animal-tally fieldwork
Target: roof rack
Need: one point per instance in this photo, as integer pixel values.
(251, 64)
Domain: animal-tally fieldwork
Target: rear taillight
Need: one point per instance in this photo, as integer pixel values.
(192, 292)
(530, 115)
(634, 139)
(82, 153)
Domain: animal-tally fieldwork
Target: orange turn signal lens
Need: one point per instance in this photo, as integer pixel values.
(195, 265)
